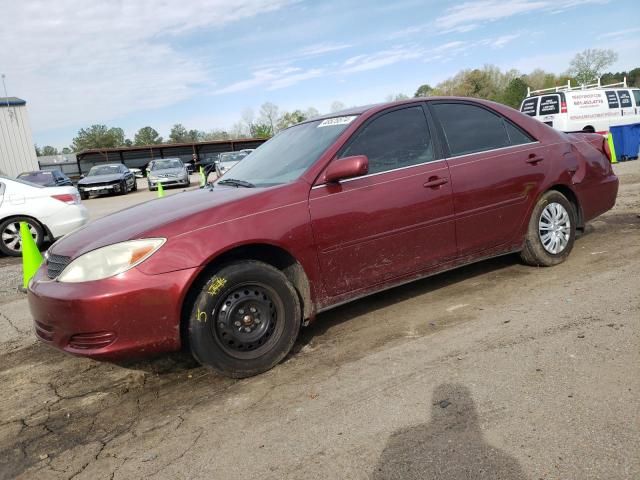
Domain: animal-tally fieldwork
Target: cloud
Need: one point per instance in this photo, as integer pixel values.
(620, 33)
(471, 15)
(79, 62)
(502, 40)
(383, 58)
(272, 79)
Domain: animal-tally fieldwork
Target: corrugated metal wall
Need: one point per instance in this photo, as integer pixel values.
(17, 153)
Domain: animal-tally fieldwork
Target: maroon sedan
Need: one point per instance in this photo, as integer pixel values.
(327, 211)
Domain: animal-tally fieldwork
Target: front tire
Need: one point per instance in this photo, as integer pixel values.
(244, 320)
(551, 232)
(10, 240)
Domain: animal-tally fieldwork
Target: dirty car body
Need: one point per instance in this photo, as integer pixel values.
(364, 200)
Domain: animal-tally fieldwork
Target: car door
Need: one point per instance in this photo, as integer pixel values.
(396, 219)
(496, 170)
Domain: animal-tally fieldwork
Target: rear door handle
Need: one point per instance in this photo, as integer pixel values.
(534, 159)
(435, 182)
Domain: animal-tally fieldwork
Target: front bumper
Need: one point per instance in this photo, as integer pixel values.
(129, 315)
(168, 182)
(100, 189)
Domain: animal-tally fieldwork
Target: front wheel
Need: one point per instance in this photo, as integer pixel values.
(10, 240)
(244, 320)
(551, 232)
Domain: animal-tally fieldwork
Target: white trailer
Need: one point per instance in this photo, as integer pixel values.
(17, 152)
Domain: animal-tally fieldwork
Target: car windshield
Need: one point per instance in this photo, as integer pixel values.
(37, 177)
(166, 163)
(231, 156)
(290, 153)
(104, 170)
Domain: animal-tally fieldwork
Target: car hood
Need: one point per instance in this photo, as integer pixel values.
(164, 217)
(167, 171)
(113, 177)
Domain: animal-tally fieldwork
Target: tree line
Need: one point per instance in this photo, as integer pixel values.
(489, 82)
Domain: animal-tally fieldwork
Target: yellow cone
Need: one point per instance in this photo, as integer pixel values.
(160, 190)
(31, 257)
(203, 179)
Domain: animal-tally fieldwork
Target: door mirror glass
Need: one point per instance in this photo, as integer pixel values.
(347, 167)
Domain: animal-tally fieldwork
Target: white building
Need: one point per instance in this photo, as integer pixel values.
(17, 153)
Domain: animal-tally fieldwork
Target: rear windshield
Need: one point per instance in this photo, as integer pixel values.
(37, 177)
(530, 107)
(612, 99)
(625, 99)
(549, 105)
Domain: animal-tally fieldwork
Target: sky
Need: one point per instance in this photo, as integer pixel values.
(203, 63)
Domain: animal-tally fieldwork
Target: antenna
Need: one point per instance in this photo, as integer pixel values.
(6, 96)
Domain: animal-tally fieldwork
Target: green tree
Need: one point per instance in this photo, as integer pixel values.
(288, 119)
(423, 91)
(178, 134)
(588, 65)
(38, 151)
(147, 136)
(514, 93)
(49, 150)
(98, 136)
(261, 130)
(269, 115)
(66, 151)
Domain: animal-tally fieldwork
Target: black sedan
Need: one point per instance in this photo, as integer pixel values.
(104, 179)
(46, 178)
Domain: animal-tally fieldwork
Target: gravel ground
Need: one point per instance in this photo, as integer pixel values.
(496, 370)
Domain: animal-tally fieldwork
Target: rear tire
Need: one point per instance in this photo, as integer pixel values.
(244, 320)
(551, 232)
(10, 243)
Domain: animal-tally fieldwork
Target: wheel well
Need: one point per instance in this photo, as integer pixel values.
(270, 254)
(589, 128)
(571, 196)
(45, 229)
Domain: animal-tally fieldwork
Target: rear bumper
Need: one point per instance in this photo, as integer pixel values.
(597, 197)
(66, 220)
(130, 315)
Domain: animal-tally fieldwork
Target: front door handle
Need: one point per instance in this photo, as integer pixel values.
(534, 159)
(435, 182)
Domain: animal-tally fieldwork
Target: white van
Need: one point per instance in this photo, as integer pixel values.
(591, 108)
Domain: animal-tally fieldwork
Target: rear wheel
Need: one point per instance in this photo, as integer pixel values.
(551, 232)
(244, 320)
(10, 240)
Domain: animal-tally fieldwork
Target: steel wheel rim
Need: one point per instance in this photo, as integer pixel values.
(248, 320)
(11, 236)
(554, 228)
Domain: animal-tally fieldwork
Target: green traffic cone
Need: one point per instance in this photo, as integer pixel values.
(612, 148)
(31, 257)
(160, 190)
(203, 179)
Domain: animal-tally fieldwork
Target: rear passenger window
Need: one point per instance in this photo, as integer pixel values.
(516, 136)
(612, 99)
(530, 107)
(470, 129)
(549, 105)
(625, 99)
(396, 139)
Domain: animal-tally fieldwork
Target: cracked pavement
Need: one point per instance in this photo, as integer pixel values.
(496, 370)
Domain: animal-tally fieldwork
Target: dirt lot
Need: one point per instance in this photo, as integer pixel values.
(496, 370)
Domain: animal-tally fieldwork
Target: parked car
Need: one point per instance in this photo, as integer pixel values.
(105, 179)
(327, 211)
(592, 108)
(137, 172)
(227, 160)
(46, 178)
(50, 213)
(169, 172)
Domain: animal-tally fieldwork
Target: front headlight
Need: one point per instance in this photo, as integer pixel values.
(110, 260)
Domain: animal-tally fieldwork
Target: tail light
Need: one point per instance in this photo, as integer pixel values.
(563, 107)
(69, 198)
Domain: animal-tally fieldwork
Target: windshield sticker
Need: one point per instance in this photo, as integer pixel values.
(332, 122)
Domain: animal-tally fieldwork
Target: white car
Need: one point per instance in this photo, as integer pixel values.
(50, 212)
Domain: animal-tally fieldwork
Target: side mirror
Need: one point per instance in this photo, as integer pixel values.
(346, 167)
(82, 176)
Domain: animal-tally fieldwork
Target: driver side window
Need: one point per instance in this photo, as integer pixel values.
(394, 140)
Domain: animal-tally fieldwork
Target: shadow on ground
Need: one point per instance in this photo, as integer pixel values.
(451, 446)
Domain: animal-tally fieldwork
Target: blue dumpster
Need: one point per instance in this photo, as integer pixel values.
(626, 139)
